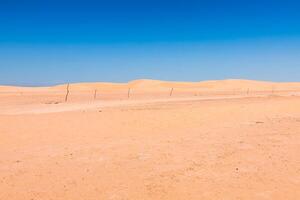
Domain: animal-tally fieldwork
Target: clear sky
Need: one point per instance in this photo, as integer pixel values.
(52, 42)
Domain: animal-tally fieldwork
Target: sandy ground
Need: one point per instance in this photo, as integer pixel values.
(216, 142)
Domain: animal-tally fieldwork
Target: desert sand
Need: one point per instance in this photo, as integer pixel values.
(149, 139)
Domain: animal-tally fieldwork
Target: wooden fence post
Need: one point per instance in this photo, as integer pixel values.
(171, 92)
(67, 94)
(95, 95)
(128, 93)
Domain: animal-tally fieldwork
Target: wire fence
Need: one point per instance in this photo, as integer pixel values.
(70, 95)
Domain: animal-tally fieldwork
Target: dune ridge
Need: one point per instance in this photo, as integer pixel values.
(228, 84)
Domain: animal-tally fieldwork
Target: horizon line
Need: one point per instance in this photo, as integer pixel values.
(145, 79)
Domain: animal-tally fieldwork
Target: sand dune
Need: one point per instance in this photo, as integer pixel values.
(218, 85)
(143, 90)
(229, 84)
(208, 140)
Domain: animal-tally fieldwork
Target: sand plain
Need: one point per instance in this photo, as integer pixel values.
(230, 139)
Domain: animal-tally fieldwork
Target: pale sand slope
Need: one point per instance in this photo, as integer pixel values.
(141, 90)
(229, 84)
(221, 143)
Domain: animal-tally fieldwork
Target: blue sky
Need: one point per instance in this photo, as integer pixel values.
(52, 42)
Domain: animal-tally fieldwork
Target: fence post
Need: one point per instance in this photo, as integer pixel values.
(67, 94)
(95, 95)
(171, 92)
(128, 93)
